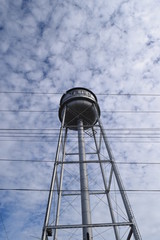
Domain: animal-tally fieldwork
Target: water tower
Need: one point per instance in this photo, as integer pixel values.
(87, 199)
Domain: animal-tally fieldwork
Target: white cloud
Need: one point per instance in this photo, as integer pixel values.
(52, 46)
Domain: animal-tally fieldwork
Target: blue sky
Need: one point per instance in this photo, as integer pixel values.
(110, 47)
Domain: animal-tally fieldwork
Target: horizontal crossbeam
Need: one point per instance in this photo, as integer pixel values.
(88, 161)
(90, 225)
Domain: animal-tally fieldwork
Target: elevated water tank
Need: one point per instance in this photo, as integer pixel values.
(80, 103)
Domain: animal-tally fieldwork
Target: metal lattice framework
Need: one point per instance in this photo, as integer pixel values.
(87, 199)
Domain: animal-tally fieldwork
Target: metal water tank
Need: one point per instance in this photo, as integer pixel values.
(80, 103)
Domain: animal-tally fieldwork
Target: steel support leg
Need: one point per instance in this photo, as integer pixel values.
(121, 187)
(60, 187)
(46, 221)
(85, 201)
(106, 190)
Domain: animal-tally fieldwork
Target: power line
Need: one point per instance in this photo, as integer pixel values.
(107, 111)
(113, 133)
(53, 132)
(52, 135)
(14, 110)
(31, 92)
(77, 191)
(25, 160)
(54, 129)
(57, 129)
(131, 94)
(46, 161)
(53, 141)
(31, 129)
(128, 111)
(101, 94)
(46, 138)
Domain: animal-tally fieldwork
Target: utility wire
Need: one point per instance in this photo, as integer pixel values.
(16, 110)
(47, 133)
(57, 129)
(76, 191)
(74, 137)
(61, 93)
(147, 136)
(53, 111)
(52, 141)
(52, 161)
(150, 139)
(31, 92)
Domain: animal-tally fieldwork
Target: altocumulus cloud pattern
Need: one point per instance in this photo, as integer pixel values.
(48, 47)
